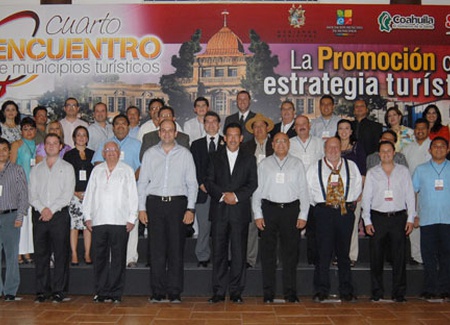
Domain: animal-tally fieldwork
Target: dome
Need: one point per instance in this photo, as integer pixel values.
(224, 42)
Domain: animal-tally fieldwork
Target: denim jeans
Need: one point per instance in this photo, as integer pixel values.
(9, 242)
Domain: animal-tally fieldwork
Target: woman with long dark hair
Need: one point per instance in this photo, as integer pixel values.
(433, 116)
(10, 121)
(405, 135)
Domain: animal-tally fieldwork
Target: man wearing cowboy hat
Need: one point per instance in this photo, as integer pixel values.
(260, 146)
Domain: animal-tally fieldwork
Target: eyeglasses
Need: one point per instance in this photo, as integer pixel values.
(71, 105)
(110, 150)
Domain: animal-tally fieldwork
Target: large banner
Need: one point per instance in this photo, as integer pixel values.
(127, 54)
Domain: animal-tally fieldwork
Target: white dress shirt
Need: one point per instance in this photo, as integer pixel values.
(69, 127)
(51, 188)
(308, 152)
(232, 156)
(98, 134)
(111, 198)
(194, 129)
(355, 184)
(375, 187)
(281, 181)
(417, 154)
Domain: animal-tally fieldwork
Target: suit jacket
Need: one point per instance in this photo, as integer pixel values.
(235, 118)
(250, 147)
(277, 128)
(243, 182)
(199, 150)
(152, 138)
(368, 134)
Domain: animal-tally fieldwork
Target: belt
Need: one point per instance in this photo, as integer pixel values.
(389, 214)
(7, 211)
(335, 206)
(281, 205)
(167, 198)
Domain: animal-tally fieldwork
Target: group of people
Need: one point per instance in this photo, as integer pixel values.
(250, 177)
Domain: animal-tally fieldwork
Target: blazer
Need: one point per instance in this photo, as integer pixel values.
(199, 150)
(368, 134)
(243, 182)
(277, 128)
(250, 147)
(235, 118)
(152, 138)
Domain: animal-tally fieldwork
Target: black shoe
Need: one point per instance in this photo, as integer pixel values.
(10, 298)
(116, 300)
(237, 299)
(320, 297)
(216, 298)
(352, 263)
(268, 300)
(292, 299)
(175, 299)
(349, 298)
(414, 262)
(399, 299)
(157, 299)
(74, 264)
(248, 265)
(58, 297)
(98, 298)
(203, 263)
(40, 298)
(375, 298)
(444, 295)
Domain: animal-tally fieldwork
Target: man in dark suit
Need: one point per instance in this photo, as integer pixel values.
(367, 132)
(232, 179)
(152, 138)
(243, 101)
(287, 124)
(201, 150)
(261, 147)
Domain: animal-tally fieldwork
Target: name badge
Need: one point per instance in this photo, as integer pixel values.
(122, 155)
(388, 195)
(334, 180)
(439, 184)
(82, 175)
(260, 158)
(325, 134)
(279, 178)
(32, 162)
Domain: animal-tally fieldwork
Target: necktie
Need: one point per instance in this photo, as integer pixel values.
(241, 120)
(212, 145)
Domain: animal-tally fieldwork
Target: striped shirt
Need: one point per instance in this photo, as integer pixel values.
(14, 190)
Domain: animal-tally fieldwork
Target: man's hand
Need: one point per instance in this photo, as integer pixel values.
(370, 230)
(46, 215)
(260, 224)
(203, 188)
(188, 217)
(88, 224)
(409, 228)
(229, 198)
(301, 223)
(129, 226)
(17, 224)
(143, 217)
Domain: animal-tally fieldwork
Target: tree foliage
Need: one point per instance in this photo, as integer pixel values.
(179, 99)
(260, 66)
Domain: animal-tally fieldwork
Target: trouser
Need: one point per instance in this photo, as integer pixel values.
(167, 238)
(9, 242)
(252, 244)
(281, 222)
(311, 249)
(354, 244)
(109, 244)
(435, 244)
(52, 236)
(133, 238)
(333, 234)
(228, 236)
(414, 238)
(390, 228)
(202, 247)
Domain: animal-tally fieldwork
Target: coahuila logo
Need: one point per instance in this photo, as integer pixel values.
(387, 22)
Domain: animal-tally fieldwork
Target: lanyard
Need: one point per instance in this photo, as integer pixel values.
(439, 173)
(307, 145)
(284, 163)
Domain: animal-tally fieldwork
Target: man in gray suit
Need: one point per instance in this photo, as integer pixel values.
(243, 101)
(152, 138)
